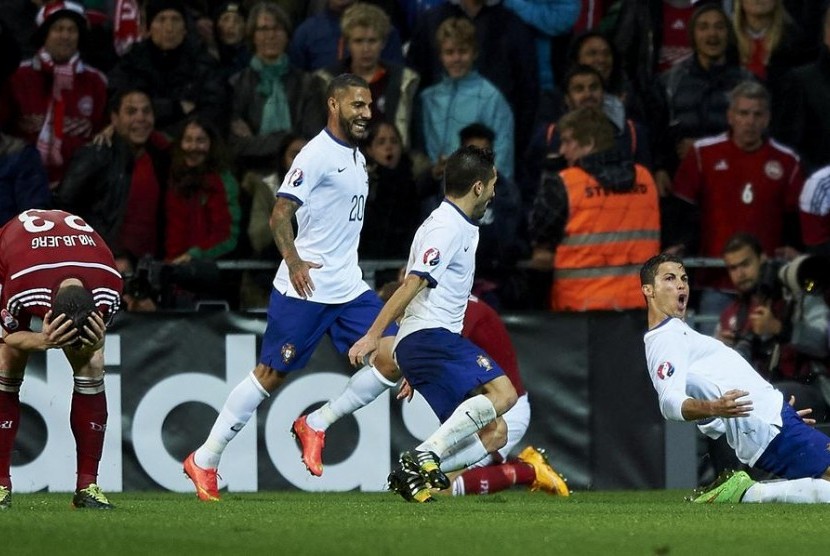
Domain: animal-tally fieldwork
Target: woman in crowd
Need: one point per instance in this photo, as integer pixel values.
(392, 206)
(770, 42)
(270, 97)
(202, 202)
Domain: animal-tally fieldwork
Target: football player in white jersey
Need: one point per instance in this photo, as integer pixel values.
(700, 379)
(466, 389)
(318, 288)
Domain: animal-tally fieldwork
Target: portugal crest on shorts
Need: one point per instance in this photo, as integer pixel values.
(665, 370)
(484, 363)
(289, 352)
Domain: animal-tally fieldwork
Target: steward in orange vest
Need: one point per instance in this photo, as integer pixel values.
(596, 222)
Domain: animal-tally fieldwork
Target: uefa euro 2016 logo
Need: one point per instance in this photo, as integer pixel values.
(432, 256)
(665, 370)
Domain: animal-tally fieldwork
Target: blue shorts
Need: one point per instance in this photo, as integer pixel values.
(444, 367)
(296, 326)
(799, 451)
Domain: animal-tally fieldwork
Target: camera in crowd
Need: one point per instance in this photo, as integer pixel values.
(805, 274)
(804, 280)
(172, 286)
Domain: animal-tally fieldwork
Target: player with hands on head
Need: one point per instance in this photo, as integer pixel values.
(55, 267)
(698, 378)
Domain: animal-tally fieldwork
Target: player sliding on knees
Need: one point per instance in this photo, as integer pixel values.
(700, 379)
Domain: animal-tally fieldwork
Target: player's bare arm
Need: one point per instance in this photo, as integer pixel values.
(728, 405)
(298, 269)
(56, 332)
(392, 310)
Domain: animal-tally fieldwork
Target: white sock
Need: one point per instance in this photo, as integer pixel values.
(240, 405)
(464, 454)
(468, 418)
(796, 491)
(364, 386)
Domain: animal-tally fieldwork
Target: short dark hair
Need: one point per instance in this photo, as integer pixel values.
(581, 69)
(117, 98)
(465, 167)
(740, 240)
(343, 82)
(77, 303)
(648, 272)
(477, 131)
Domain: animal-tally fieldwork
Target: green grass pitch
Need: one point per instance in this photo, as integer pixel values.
(336, 524)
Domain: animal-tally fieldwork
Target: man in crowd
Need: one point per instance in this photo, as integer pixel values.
(595, 222)
(55, 101)
(119, 188)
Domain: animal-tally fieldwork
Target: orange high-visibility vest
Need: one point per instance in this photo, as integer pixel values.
(609, 235)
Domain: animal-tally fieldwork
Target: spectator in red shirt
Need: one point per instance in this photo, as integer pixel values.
(55, 100)
(739, 181)
(202, 202)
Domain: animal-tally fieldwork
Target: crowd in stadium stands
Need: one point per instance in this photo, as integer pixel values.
(169, 125)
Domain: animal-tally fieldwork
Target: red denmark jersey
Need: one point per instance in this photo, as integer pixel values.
(41, 248)
(739, 191)
(484, 328)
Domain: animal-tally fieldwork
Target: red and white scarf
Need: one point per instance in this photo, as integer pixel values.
(50, 138)
(126, 29)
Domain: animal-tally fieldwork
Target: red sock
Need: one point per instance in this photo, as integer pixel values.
(88, 419)
(494, 478)
(9, 422)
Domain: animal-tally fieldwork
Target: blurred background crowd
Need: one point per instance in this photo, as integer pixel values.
(169, 125)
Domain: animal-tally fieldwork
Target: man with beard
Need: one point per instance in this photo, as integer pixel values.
(759, 325)
(318, 288)
(698, 378)
(466, 389)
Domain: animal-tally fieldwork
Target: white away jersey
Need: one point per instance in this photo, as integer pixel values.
(686, 364)
(329, 181)
(444, 252)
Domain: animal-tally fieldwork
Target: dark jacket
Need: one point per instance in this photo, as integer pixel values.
(392, 212)
(804, 121)
(96, 186)
(23, 182)
(692, 102)
(170, 77)
(308, 116)
(613, 169)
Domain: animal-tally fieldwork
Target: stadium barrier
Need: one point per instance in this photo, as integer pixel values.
(593, 408)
